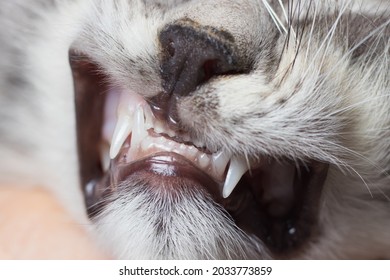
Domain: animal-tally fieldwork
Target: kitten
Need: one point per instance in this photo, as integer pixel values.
(204, 129)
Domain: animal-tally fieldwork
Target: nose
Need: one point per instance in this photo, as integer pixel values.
(192, 54)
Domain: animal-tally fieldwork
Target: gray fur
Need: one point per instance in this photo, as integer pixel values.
(320, 91)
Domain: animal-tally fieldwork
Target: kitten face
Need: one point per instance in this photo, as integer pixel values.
(220, 130)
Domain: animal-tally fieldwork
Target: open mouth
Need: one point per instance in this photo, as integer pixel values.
(120, 136)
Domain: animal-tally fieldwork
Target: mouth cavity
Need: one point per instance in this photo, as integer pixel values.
(120, 138)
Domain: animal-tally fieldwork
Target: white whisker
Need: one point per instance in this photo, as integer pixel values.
(326, 42)
(275, 18)
(311, 32)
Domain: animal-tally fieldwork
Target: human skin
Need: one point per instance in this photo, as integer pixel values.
(33, 225)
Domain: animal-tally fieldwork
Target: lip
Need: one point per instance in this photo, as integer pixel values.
(164, 169)
(282, 219)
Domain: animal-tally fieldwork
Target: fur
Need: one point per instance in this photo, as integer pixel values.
(318, 88)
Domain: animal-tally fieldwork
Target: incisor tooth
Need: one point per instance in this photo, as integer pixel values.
(148, 117)
(146, 144)
(171, 133)
(237, 168)
(192, 152)
(203, 160)
(158, 127)
(122, 130)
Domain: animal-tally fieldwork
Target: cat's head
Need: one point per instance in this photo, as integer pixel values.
(212, 129)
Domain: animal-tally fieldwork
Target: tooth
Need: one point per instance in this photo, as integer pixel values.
(139, 132)
(158, 127)
(183, 148)
(110, 114)
(148, 117)
(161, 140)
(203, 160)
(171, 144)
(220, 160)
(179, 149)
(192, 151)
(108, 130)
(171, 133)
(146, 144)
(237, 168)
(168, 147)
(122, 131)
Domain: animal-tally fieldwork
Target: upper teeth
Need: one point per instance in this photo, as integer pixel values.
(134, 117)
(237, 168)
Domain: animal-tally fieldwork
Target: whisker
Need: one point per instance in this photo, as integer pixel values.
(302, 33)
(248, 163)
(283, 10)
(311, 32)
(359, 156)
(275, 18)
(326, 41)
(364, 182)
(365, 39)
(357, 104)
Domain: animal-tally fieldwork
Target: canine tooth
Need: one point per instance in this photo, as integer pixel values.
(237, 168)
(220, 160)
(110, 114)
(122, 130)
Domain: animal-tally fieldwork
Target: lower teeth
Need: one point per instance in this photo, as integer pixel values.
(134, 117)
(151, 145)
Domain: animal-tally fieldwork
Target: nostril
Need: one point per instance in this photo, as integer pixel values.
(171, 48)
(164, 108)
(209, 69)
(193, 54)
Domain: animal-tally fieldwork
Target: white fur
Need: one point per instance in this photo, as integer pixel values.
(154, 220)
(335, 111)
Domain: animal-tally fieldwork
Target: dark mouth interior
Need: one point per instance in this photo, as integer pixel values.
(280, 212)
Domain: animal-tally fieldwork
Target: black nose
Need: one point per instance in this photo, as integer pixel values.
(192, 54)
